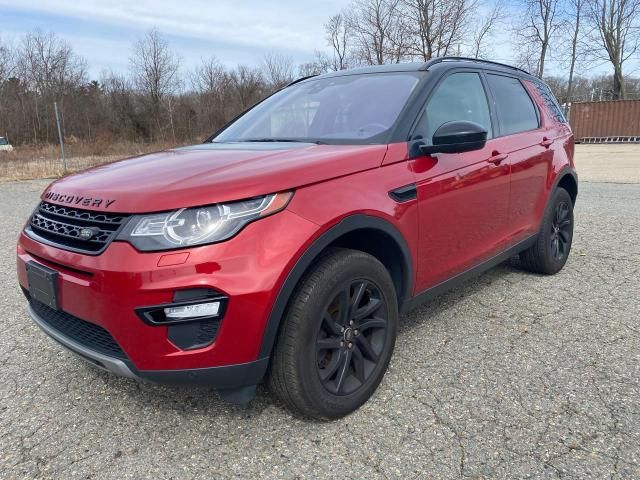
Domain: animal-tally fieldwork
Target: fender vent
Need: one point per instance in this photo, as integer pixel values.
(404, 194)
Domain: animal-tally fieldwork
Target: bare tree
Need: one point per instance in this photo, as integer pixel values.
(319, 65)
(338, 38)
(211, 83)
(278, 70)
(6, 62)
(154, 70)
(247, 86)
(6, 70)
(540, 23)
(437, 27)
(617, 23)
(49, 64)
(209, 76)
(376, 27)
(574, 20)
(123, 118)
(39, 68)
(484, 29)
(50, 70)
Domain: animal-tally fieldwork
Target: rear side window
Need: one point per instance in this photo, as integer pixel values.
(513, 104)
(460, 96)
(551, 102)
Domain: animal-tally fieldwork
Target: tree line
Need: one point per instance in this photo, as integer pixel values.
(157, 100)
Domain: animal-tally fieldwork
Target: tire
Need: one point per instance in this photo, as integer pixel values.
(551, 250)
(307, 366)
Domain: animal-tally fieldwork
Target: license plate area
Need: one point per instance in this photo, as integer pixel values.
(43, 284)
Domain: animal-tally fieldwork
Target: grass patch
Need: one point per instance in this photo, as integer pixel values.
(43, 161)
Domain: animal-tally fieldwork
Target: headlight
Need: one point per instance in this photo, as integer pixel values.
(200, 225)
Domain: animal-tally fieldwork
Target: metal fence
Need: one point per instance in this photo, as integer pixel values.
(616, 121)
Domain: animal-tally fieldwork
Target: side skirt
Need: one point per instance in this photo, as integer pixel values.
(460, 278)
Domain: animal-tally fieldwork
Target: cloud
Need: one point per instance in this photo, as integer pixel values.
(290, 25)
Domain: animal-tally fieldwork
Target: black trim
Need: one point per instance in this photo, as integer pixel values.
(88, 335)
(404, 194)
(349, 224)
(301, 79)
(536, 107)
(413, 109)
(43, 284)
(194, 334)
(227, 376)
(194, 294)
(437, 60)
(447, 285)
(566, 170)
(429, 89)
(440, 62)
(432, 87)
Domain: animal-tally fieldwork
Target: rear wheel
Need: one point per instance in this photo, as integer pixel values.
(551, 250)
(337, 337)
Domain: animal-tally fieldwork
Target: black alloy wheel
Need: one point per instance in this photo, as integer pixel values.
(351, 337)
(560, 231)
(552, 245)
(337, 336)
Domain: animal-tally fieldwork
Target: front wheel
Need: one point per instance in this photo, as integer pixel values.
(337, 336)
(551, 250)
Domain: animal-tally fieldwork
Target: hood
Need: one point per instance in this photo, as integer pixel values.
(209, 173)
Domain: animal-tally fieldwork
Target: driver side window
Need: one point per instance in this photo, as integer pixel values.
(460, 96)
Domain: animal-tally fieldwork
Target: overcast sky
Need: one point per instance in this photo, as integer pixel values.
(234, 31)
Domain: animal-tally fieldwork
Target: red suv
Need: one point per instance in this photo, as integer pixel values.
(288, 244)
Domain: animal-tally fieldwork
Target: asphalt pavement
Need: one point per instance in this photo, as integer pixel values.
(512, 375)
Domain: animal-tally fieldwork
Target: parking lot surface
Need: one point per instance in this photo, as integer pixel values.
(512, 375)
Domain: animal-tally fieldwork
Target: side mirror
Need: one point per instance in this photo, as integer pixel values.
(456, 137)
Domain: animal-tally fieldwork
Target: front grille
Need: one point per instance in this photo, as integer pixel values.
(61, 226)
(85, 333)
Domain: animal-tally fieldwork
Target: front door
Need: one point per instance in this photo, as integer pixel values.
(463, 198)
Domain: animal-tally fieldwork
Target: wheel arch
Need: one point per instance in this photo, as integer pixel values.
(567, 179)
(367, 233)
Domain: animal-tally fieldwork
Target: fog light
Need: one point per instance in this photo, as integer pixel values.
(192, 311)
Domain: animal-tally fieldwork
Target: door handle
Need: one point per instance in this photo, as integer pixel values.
(546, 142)
(496, 157)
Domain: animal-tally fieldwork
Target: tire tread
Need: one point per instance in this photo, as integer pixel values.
(536, 258)
(283, 376)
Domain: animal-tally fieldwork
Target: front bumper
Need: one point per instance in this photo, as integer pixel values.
(107, 289)
(230, 376)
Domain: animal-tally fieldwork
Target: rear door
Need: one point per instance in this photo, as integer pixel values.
(527, 141)
(463, 197)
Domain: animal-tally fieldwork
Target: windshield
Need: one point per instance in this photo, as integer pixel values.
(3, 141)
(352, 109)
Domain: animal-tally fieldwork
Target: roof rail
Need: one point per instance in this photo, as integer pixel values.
(301, 79)
(437, 60)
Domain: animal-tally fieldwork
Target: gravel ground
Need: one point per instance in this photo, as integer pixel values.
(512, 375)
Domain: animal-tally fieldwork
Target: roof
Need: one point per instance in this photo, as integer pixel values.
(387, 68)
(449, 62)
